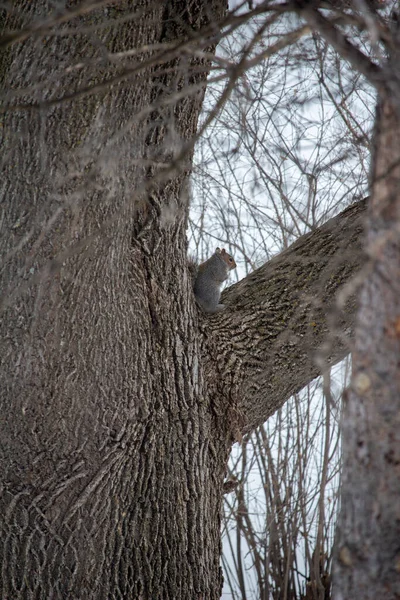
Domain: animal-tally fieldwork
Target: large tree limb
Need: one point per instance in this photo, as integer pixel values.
(288, 320)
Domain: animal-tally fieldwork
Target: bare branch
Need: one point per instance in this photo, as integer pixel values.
(359, 61)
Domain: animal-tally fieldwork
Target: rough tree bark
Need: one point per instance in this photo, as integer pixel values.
(119, 401)
(292, 318)
(112, 460)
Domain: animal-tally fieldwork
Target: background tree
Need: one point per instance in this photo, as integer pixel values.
(120, 401)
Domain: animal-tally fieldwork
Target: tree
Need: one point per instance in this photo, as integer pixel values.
(368, 563)
(120, 400)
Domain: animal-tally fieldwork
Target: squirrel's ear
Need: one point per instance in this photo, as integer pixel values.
(218, 251)
(223, 251)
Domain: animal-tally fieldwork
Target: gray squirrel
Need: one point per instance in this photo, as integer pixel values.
(210, 276)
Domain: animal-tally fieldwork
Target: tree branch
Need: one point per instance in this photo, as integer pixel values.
(290, 319)
(359, 61)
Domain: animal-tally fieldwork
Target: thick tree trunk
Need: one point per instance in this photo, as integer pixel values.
(112, 458)
(368, 555)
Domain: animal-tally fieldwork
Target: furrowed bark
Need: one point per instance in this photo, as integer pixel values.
(111, 459)
(291, 318)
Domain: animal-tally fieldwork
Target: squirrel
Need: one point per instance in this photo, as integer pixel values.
(209, 278)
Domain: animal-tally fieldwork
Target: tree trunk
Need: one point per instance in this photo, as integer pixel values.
(368, 554)
(112, 455)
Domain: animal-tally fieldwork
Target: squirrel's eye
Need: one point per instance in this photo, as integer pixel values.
(230, 259)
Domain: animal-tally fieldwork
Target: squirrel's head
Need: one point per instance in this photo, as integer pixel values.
(227, 258)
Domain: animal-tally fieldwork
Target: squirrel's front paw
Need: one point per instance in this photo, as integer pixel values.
(219, 307)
